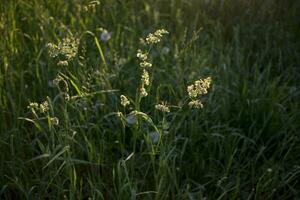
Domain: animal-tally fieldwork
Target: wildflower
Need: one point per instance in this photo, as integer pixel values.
(156, 37)
(63, 63)
(154, 136)
(57, 80)
(196, 104)
(162, 107)
(143, 92)
(105, 35)
(119, 114)
(91, 6)
(142, 55)
(160, 32)
(152, 39)
(124, 101)
(69, 48)
(203, 85)
(33, 105)
(44, 107)
(65, 51)
(60, 83)
(131, 118)
(192, 91)
(54, 121)
(67, 97)
(145, 64)
(199, 87)
(145, 77)
(52, 50)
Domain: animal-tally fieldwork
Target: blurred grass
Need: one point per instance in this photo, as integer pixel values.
(242, 145)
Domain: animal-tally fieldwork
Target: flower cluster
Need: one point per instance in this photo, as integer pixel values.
(57, 80)
(196, 104)
(61, 83)
(64, 51)
(145, 63)
(196, 90)
(162, 107)
(91, 6)
(54, 121)
(105, 35)
(142, 55)
(42, 108)
(145, 78)
(124, 101)
(143, 92)
(199, 87)
(156, 37)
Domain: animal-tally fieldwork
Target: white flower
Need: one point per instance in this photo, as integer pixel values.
(131, 118)
(105, 35)
(145, 64)
(145, 77)
(124, 101)
(162, 107)
(142, 55)
(199, 87)
(143, 92)
(33, 105)
(156, 37)
(44, 107)
(196, 104)
(63, 63)
(154, 136)
(54, 121)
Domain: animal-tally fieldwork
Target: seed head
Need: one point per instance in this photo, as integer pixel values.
(57, 80)
(44, 107)
(162, 107)
(63, 63)
(142, 55)
(145, 64)
(200, 87)
(124, 101)
(65, 51)
(61, 83)
(143, 92)
(193, 93)
(145, 77)
(54, 121)
(33, 105)
(196, 104)
(156, 37)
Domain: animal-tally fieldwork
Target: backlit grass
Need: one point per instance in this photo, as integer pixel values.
(95, 103)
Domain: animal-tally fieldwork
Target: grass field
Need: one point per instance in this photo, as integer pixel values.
(95, 103)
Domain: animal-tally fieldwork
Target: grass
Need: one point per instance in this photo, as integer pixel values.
(243, 144)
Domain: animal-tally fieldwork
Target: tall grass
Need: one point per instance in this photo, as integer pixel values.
(83, 144)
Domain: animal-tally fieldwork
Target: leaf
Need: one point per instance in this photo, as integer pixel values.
(45, 155)
(66, 148)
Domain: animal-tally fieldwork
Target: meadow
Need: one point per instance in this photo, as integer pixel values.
(150, 99)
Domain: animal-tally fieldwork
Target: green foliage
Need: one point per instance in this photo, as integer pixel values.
(66, 133)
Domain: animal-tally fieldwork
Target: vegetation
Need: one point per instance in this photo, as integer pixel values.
(149, 99)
